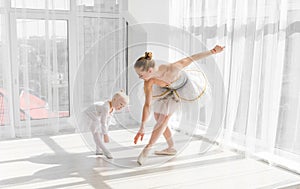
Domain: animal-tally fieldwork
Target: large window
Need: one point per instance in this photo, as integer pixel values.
(42, 45)
(43, 68)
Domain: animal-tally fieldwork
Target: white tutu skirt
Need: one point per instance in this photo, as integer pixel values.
(196, 88)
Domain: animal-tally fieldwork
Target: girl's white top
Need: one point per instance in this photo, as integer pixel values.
(99, 114)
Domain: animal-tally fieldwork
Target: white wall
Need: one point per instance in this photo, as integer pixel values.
(156, 12)
(145, 11)
(143, 17)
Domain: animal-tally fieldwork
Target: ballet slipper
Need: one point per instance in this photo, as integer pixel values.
(168, 152)
(143, 156)
(108, 155)
(99, 152)
(137, 136)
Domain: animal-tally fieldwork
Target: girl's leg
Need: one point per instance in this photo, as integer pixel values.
(99, 142)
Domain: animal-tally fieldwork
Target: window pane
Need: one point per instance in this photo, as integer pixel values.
(59, 4)
(1, 3)
(5, 75)
(33, 4)
(102, 41)
(41, 4)
(107, 6)
(43, 68)
(2, 26)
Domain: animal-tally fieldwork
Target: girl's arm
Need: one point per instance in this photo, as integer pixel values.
(188, 60)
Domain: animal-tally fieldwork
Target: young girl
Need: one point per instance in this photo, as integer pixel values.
(168, 85)
(97, 117)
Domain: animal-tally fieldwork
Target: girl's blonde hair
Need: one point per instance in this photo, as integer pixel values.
(123, 95)
(145, 62)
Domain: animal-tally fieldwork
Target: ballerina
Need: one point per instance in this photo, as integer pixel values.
(165, 87)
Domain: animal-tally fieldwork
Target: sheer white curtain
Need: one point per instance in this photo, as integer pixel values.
(6, 119)
(260, 67)
(39, 61)
(101, 68)
(43, 45)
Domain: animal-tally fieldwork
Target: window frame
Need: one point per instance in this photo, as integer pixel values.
(71, 16)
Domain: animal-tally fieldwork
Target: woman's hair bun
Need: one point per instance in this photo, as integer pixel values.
(148, 55)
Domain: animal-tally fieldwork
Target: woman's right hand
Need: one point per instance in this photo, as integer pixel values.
(138, 135)
(217, 49)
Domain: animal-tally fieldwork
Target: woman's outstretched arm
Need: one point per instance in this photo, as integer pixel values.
(146, 109)
(188, 60)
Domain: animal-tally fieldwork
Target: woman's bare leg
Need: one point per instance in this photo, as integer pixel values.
(159, 128)
(168, 137)
(167, 133)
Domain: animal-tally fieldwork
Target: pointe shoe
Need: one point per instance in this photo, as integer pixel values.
(108, 155)
(143, 156)
(98, 152)
(168, 152)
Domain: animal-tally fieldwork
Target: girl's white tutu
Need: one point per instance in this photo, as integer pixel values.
(192, 85)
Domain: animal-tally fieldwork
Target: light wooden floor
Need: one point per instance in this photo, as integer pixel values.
(65, 161)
